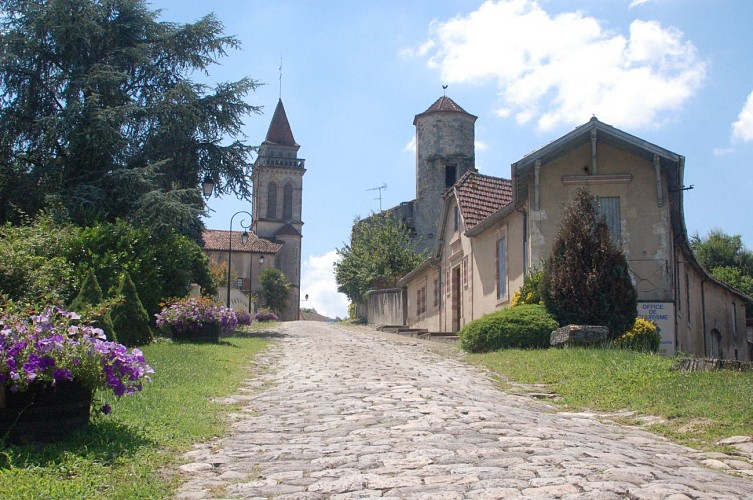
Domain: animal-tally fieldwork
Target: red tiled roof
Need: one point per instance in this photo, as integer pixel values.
(217, 239)
(279, 129)
(479, 196)
(443, 104)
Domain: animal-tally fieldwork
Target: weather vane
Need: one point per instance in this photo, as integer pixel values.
(444, 89)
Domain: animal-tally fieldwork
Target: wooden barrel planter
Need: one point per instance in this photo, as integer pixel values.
(43, 412)
(207, 333)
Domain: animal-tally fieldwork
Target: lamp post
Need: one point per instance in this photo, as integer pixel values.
(244, 240)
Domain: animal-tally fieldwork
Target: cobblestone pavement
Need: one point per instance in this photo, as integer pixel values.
(344, 414)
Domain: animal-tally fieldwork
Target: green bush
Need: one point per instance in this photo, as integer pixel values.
(129, 317)
(643, 336)
(525, 326)
(89, 304)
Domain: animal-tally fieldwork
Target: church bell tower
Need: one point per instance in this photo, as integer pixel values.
(277, 180)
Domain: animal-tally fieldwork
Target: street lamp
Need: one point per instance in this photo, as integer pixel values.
(207, 186)
(244, 240)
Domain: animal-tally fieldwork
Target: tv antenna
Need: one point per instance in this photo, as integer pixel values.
(379, 188)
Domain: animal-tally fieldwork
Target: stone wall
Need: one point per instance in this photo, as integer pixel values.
(385, 307)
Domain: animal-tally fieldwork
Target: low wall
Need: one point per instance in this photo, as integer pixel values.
(385, 307)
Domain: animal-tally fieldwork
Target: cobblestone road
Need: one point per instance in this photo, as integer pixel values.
(343, 414)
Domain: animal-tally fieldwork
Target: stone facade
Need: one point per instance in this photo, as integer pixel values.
(445, 150)
(277, 204)
(277, 209)
(485, 245)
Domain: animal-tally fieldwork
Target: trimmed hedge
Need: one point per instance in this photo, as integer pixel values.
(525, 326)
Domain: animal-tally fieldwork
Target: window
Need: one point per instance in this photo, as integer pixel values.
(436, 292)
(272, 201)
(287, 202)
(501, 268)
(609, 207)
(450, 175)
(421, 301)
(456, 219)
(465, 272)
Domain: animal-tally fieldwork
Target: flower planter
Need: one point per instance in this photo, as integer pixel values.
(43, 412)
(207, 333)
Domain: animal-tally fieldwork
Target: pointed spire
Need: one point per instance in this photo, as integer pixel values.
(279, 130)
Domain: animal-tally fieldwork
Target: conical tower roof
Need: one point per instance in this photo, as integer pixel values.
(279, 130)
(444, 105)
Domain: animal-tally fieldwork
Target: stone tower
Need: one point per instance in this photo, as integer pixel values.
(445, 135)
(278, 187)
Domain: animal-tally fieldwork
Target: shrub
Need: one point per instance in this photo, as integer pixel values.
(643, 336)
(129, 317)
(525, 326)
(244, 318)
(586, 278)
(530, 292)
(88, 303)
(186, 317)
(266, 316)
(50, 347)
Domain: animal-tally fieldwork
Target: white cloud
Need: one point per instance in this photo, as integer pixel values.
(318, 282)
(636, 3)
(411, 145)
(723, 151)
(742, 129)
(561, 70)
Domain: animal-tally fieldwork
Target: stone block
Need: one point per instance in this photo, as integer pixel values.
(579, 335)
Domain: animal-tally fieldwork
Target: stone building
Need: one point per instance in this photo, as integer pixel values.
(276, 231)
(490, 232)
(445, 150)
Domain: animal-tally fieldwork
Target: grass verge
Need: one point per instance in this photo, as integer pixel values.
(126, 454)
(696, 408)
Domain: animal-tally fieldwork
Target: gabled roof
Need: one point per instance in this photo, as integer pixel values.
(444, 105)
(479, 196)
(287, 230)
(605, 134)
(217, 240)
(279, 129)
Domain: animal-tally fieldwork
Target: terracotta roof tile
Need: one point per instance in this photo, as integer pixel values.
(479, 196)
(279, 129)
(444, 105)
(217, 239)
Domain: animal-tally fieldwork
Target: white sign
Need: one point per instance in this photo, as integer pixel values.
(663, 314)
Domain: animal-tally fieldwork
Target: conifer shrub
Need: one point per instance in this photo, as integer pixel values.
(129, 317)
(643, 336)
(586, 279)
(89, 304)
(526, 326)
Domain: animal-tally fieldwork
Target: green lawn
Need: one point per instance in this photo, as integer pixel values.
(697, 408)
(125, 455)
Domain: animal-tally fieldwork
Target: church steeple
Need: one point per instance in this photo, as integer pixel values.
(279, 129)
(277, 179)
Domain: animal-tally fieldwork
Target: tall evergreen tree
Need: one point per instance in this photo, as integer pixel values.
(89, 303)
(129, 317)
(586, 278)
(99, 113)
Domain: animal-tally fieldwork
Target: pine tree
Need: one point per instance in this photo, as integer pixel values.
(129, 317)
(586, 278)
(89, 304)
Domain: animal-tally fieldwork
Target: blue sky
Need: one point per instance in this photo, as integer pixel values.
(677, 73)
